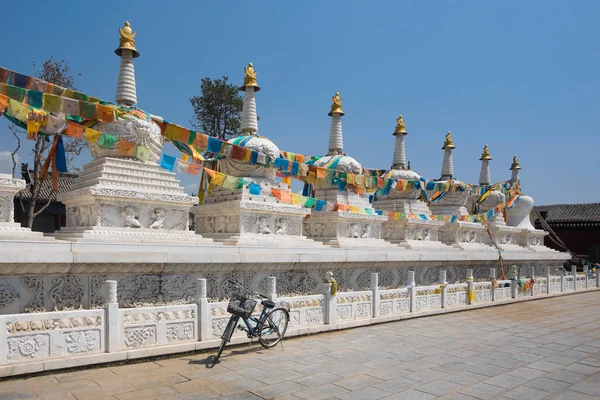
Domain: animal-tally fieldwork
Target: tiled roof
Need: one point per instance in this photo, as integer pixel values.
(65, 183)
(571, 213)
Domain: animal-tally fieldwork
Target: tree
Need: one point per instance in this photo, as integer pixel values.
(218, 109)
(58, 73)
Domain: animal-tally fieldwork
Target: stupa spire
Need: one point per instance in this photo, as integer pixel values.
(126, 92)
(448, 165)
(249, 119)
(336, 141)
(484, 176)
(399, 161)
(515, 167)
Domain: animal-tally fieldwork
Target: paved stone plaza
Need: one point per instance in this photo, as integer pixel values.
(532, 350)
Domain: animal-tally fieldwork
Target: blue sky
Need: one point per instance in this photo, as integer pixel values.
(520, 76)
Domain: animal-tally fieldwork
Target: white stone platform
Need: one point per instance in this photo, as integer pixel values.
(133, 201)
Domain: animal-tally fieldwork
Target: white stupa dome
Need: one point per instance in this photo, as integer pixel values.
(344, 163)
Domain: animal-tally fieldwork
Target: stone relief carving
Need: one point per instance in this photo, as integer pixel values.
(354, 231)
(386, 307)
(36, 286)
(281, 227)
(289, 283)
(363, 310)
(52, 324)
(27, 347)
(140, 336)
(178, 289)
(129, 215)
(132, 318)
(182, 331)
(158, 218)
(181, 219)
(82, 341)
(366, 231)
(344, 312)
(7, 296)
(139, 290)
(3, 210)
(97, 299)
(294, 318)
(263, 225)
(67, 293)
(314, 316)
(221, 224)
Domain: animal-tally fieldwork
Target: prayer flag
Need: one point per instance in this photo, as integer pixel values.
(219, 178)
(214, 145)
(74, 130)
(17, 110)
(105, 113)
(15, 93)
(167, 162)
(91, 135)
(320, 205)
(201, 141)
(194, 169)
(140, 152)
(310, 202)
(70, 106)
(126, 148)
(107, 141)
(34, 99)
(230, 182)
(87, 110)
(261, 159)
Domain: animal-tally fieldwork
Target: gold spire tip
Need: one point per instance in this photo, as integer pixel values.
(486, 153)
(336, 105)
(400, 127)
(448, 143)
(515, 164)
(127, 41)
(250, 78)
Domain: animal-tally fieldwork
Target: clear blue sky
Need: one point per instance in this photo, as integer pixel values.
(521, 76)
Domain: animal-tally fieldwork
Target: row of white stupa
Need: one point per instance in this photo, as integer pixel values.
(127, 199)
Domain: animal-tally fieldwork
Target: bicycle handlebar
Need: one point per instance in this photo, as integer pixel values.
(246, 290)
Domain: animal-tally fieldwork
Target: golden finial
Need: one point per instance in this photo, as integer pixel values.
(400, 128)
(336, 106)
(126, 41)
(515, 164)
(486, 153)
(250, 78)
(448, 144)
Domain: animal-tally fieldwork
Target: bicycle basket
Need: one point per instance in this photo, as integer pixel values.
(241, 306)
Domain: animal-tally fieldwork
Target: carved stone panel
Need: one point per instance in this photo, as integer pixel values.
(67, 293)
(28, 347)
(82, 341)
(140, 336)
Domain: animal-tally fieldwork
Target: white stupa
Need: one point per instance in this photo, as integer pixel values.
(128, 197)
(410, 231)
(336, 227)
(452, 201)
(518, 215)
(238, 216)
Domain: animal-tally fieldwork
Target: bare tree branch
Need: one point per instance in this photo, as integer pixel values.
(13, 154)
(38, 212)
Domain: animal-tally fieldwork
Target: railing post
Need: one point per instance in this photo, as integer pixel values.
(585, 274)
(532, 276)
(514, 285)
(444, 291)
(492, 278)
(574, 273)
(547, 280)
(111, 321)
(204, 314)
(272, 288)
(375, 293)
(562, 279)
(597, 278)
(412, 292)
(470, 287)
(330, 305)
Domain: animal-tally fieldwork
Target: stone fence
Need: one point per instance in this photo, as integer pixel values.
(37, 342)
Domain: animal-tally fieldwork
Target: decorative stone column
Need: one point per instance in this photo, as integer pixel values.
(10, 230)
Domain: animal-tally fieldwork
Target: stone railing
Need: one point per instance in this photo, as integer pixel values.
(35, 342)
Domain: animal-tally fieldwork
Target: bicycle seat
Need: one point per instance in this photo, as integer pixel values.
(267, 304)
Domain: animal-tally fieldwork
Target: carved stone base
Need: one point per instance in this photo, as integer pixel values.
(239, 217)
(533, 239)
(464, 235)
(414, 233)
(129, 235)
(126, 200)
(346, 230)
(506, 237)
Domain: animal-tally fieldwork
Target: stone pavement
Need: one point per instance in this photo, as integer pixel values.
(532, 350)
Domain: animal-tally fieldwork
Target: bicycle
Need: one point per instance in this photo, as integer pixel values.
(269, 327)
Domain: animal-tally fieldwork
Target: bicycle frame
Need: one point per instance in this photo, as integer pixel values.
(253, 331)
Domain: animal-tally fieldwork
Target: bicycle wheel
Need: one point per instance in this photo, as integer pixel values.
(273, 327)
(226, 337)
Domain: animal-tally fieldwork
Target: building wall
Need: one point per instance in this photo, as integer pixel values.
(578, 240)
